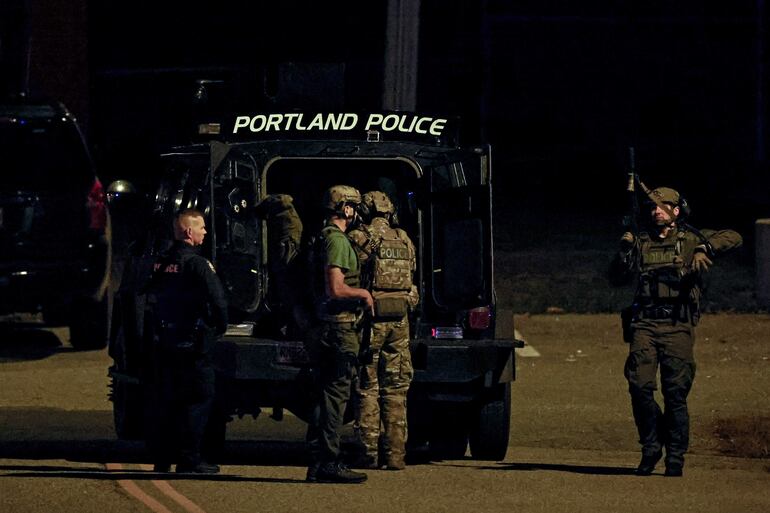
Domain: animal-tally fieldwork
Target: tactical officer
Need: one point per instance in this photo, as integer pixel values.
(668, 261)
(284, 233)
(388, 262)
(335, 340)
(186, 311)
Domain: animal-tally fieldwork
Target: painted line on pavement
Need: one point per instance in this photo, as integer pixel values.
(174, 494)
(133, 489)
(527, 351)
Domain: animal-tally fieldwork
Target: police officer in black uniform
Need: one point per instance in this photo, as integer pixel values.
(186, 312)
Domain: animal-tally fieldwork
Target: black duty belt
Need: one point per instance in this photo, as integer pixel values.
(658, 312)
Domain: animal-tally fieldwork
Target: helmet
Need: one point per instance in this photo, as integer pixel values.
(665, 195)
(377, 202)
(337, 195)
(273, 204)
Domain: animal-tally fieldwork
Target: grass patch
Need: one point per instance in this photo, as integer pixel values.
(543, 263)
(745, 437)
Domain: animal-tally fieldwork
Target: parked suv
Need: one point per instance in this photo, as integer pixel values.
(462, 346)
(54, 223)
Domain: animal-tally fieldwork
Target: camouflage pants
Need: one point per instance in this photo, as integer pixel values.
(381, 393)
(668, 345)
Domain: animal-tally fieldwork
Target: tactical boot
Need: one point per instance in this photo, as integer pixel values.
(200, 468)
(395, 462)
(647, 465)
(367, 461)
(338, 473)
(674, 467)
(312, 472)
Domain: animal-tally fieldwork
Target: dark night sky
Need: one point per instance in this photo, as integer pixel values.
(559, 88)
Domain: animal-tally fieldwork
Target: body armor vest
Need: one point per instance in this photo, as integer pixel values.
(389, 267)
(176, 304)
(664, 278)
(392, 269)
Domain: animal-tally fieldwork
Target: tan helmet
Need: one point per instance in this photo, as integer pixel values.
(377, 202)
(665, 195)
(336, 196)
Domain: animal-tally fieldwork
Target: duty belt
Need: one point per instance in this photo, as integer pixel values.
(656, 312)
(673, 312)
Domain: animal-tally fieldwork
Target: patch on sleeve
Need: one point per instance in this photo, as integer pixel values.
(211, 266)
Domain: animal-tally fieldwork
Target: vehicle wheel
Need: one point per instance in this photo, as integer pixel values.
(127, 410)
(490, 433)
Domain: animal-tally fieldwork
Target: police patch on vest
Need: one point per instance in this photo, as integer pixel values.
(664, 256)
(393, 266)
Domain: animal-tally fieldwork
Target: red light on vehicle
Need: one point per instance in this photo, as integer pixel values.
(97, 207)
(479, 318)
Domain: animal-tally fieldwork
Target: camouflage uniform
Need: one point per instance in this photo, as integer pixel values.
(660, 328)
(388, 258)
(284, 233)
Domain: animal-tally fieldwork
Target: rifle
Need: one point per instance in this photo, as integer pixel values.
(631, 220)
(627, 260)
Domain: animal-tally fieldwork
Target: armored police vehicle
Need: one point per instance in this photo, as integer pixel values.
(462, 346)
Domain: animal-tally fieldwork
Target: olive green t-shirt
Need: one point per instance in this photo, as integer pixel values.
(339, 251)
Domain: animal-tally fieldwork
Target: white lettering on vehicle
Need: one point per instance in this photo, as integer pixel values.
(341, 121)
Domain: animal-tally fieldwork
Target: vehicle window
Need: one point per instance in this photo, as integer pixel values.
(452, 175)
(42, 156)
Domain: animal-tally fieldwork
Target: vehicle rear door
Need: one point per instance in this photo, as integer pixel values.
(459, 260)
(237, 241)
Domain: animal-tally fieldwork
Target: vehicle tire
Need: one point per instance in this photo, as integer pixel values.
(89, 324)
(128, 410)
(491, 430)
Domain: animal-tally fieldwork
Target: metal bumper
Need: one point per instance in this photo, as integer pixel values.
(490, 361)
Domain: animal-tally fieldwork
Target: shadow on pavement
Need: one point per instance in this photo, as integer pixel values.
(38, 471)
(27, 342)
(560, 467)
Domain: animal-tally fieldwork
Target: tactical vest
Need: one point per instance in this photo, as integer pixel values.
(332, 310)
(664, 277)
(389, 269)
(174, 307)
(392, 267)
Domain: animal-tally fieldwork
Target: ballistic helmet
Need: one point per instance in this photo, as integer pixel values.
(377, 202)
(336, 196)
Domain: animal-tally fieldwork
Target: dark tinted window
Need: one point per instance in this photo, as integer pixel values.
(41, 155)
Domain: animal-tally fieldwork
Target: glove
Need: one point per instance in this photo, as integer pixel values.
(627, 241)
(701, 261)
